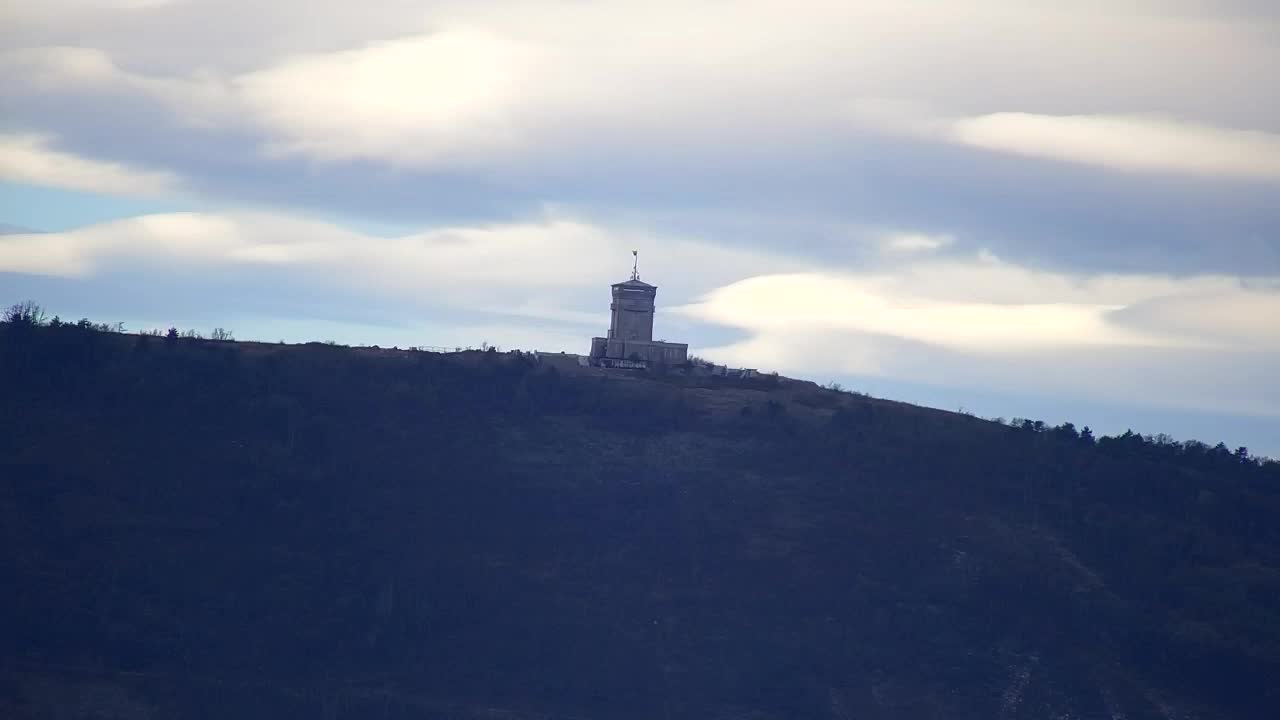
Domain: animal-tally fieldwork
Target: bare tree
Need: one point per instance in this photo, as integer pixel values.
(222, 334)
(25, 313)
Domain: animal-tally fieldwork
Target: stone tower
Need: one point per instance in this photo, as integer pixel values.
(632, 307)
(630, 337)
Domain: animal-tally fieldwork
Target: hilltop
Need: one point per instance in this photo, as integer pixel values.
(196, 528)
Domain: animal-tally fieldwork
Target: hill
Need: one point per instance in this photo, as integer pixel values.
(212, 529)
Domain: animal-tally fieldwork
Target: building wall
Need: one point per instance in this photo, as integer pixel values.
(670, 353)
(651, 352)
(632, 314)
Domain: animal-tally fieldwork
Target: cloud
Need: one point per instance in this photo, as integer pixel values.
(985, 306)
(522, 268)
(1133, 143)
(1199, 342)
(1223, 313)
(421, 100)
(200, 99)
(906, 243)
(59, 67)
(28, 158)
(53, 11)
(836, 303)
(1126, 142)
(463, 81)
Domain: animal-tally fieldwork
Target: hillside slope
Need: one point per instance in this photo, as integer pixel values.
(201, 529)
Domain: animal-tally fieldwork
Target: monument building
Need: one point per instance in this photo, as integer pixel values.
(630, 338)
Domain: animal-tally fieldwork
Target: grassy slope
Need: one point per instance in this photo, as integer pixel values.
(209, 529)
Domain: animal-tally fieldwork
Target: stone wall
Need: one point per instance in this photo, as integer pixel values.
(651, 351)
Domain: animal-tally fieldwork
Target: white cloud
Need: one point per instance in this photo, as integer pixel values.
(1201, 342)
(1225, 313)
(524, 268)
(418, 101)
(985, 306)
(849, 303)
(59, 67)
(461, 83)
(1134, 143)
(907, 243)
(1126, 142)
(55, 11)
(28, 158)
(202, 98)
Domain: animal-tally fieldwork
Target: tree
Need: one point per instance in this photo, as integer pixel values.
(24, 313)
(222, 334)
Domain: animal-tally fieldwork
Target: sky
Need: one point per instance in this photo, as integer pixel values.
(1063, 211)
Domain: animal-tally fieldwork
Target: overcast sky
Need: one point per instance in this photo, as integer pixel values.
(1067, 211)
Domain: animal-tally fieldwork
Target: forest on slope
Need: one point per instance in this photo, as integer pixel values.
(199, 528)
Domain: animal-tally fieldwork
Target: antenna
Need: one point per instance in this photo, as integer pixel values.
(635, 266)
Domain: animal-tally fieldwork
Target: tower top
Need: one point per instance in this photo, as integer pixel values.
(635, 283)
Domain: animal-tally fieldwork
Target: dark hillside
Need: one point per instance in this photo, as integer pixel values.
(214, 529)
